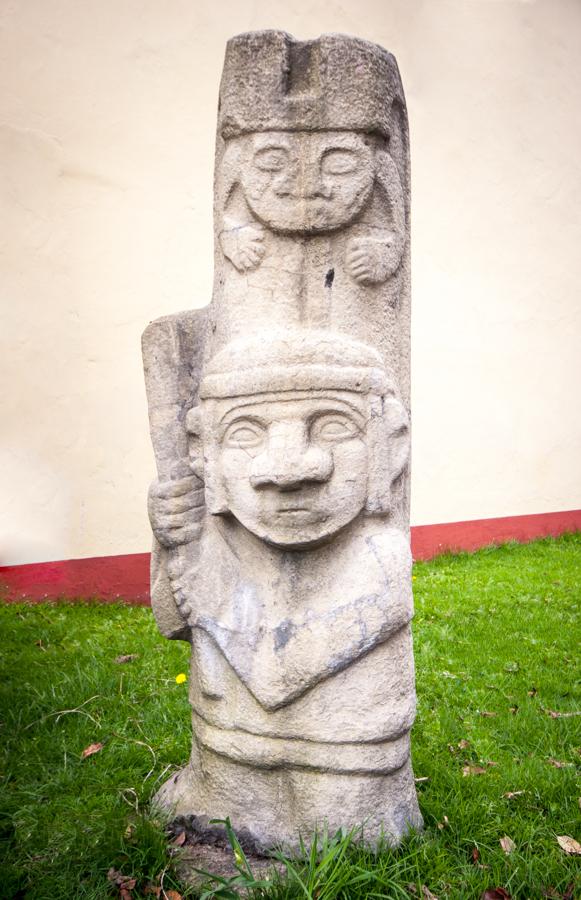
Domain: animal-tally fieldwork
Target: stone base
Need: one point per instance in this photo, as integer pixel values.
(275, 806)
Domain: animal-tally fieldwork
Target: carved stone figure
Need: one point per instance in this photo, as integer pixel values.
(280, 425)
(307, 183)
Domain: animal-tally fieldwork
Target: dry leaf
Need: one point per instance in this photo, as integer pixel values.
(569, 845)
(427, 894)
(444, 824)
(510, 794)
(92, 748)
(422, 779)
(554, 714)
(513, 710)
(180, 840)
(507, 844)
(532, 692)
(558, 764)
(125, 658)
(411, 888)
(124, 882)
(475, 856)
(125, 894)
(154, 889)
(497, 893)
(553, 894)
(173, 895)
(487, 715)
(463, 744)
(473, 770)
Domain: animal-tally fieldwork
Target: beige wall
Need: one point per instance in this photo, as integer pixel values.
(106, 153)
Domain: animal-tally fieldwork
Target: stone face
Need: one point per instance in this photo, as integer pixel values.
(280, 423)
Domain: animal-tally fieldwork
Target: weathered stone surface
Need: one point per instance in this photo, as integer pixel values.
(206, 849)
(193, 861)
(280, 422)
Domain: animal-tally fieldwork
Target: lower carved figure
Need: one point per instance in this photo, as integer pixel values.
(295, 592)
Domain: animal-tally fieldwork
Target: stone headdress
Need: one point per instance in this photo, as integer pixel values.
(335, 82)
(310, 362)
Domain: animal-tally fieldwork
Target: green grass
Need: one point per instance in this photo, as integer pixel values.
(495, 632)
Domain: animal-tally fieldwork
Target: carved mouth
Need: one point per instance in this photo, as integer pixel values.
(300, 514)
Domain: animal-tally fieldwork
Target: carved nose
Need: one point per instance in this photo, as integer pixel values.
(312, 183)
(288, 463)
(289, 472)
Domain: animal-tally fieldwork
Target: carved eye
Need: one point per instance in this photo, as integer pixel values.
(339, 162)
(244, 434)
(334, 427)
(271, 159)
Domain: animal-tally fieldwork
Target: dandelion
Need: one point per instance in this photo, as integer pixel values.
(181, 678)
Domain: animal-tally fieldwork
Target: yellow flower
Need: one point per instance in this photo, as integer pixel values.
(181, 678)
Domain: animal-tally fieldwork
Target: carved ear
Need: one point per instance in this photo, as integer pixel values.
(388, 178)
(204, 461)
(194, 430)
(378, 481)
(389, 449)
(397, 426)
(228, 173)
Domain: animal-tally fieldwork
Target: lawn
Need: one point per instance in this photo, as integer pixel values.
(496, 744)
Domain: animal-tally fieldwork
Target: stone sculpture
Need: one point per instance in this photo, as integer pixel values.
(279, 419)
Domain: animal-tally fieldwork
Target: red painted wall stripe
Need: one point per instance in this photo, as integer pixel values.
(106, 578)
(109, 578)
(431, 540)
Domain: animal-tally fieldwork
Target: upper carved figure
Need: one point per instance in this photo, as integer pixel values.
(301, 162)
(305, 182)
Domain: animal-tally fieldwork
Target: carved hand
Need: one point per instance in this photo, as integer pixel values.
(242, 245)
(371, 260)
(176, 509)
